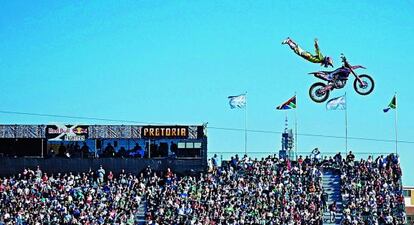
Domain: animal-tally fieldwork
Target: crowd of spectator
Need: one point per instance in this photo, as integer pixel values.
(115, 149)
(74, 150)
(242, 191)
(34, 197)
(372, 190)
(246, 191)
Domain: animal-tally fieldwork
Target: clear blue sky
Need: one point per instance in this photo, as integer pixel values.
(177, 61)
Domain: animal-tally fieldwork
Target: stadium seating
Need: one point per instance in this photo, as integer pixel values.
(246, 191)
(372, 191)
(241, 191)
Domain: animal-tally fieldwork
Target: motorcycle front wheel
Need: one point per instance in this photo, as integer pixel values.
(317, 92)
(367, 85)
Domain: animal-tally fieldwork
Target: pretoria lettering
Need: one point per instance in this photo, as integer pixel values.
(165, 132)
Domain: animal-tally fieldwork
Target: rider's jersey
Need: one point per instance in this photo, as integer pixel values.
(317, 58)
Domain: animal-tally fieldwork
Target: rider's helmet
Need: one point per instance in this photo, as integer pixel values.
(327, 61)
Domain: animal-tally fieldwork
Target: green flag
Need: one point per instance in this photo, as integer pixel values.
(392, 105)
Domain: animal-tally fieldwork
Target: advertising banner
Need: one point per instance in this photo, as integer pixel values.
(168, 132)
(67, 132)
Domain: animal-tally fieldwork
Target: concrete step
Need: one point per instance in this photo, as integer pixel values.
(331, 183)
(326, 219)
(334, 195)
(331, 177)
(331, 200)
(338, 204)
(334, 182)
(338, 216)
(332, 187)
(332, 191)
(142, 209)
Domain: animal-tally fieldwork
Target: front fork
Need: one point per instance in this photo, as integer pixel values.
(352, 71)
(357, 77)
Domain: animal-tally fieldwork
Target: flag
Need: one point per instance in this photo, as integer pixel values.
(238, 101)
(392, 105)
(289, 104)
(338, 103)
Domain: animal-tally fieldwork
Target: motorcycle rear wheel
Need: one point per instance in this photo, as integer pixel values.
(316, 94)
(367, 87)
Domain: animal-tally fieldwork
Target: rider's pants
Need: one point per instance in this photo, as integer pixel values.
(305, 54)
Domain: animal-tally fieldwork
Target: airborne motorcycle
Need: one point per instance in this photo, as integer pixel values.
(319, 92)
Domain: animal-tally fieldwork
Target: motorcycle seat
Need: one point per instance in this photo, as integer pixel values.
(321, 72)
(328, 72)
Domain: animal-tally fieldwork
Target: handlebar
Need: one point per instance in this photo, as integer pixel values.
(345, 61)
(346, 64)
(343, 57)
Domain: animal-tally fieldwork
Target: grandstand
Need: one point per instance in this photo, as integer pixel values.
(77, 148)
(175, 183)
(240, 191)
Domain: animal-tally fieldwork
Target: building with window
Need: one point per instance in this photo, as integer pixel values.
(409, 204)
(78, 147)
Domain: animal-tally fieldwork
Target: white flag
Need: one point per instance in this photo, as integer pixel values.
(238, 101)
(338, 103)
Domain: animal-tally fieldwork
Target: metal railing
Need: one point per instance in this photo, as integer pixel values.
(261, 154)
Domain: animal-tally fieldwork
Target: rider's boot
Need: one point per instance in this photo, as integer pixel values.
(286, 41)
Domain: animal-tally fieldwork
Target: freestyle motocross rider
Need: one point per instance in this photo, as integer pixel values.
(317, 58)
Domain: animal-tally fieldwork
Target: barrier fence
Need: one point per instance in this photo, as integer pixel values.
(263, 154)
(13, 166)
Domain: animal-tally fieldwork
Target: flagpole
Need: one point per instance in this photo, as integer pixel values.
(296, 130)
(245, 126)
(396, 124)
(346, 125)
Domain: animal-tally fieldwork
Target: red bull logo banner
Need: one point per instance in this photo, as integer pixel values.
(67, 132)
